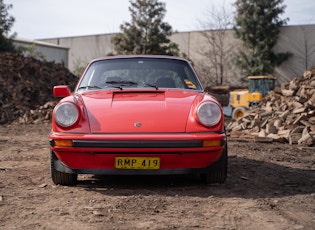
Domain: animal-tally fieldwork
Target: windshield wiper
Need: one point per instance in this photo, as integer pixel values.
(122, 83)
(151, 85)
(90, 87)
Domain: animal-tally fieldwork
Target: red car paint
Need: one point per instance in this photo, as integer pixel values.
(134, 121)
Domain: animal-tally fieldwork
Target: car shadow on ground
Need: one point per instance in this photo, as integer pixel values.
(246, 179)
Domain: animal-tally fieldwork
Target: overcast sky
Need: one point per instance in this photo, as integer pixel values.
(35, 19)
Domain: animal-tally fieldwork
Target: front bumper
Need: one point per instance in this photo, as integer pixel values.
(178, 153)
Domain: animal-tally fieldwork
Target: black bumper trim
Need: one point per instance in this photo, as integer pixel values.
(137, 144)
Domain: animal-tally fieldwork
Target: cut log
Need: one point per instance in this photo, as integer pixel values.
(294, 138)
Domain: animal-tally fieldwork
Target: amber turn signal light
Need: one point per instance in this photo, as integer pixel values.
(63, 143)
(213, 143)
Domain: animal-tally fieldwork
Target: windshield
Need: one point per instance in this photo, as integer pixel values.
(259, 85)
(139, 72)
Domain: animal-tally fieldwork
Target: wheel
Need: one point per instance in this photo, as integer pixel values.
(218, 172)
(61, 178)
(238, 113)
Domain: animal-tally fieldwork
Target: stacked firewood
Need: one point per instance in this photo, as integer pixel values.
(26, 86)
(287, 115)
(42, 114)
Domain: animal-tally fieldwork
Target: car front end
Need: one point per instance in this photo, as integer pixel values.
(128, 130)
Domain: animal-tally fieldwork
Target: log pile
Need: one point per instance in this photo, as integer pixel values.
(222, 92)
(26, 87)
(287, 115)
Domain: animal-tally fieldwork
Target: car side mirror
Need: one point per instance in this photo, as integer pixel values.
(61, 91)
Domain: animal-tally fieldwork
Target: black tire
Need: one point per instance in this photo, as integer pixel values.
(218, 172)
(61, 178)
(238, 113)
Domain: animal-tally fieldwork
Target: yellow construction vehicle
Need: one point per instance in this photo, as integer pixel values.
(242, 100)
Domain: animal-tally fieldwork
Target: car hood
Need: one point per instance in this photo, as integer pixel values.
(138, 111)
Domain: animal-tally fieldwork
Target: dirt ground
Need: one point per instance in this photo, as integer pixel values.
(269, 186)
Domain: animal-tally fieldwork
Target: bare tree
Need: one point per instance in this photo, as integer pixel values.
(216, 27)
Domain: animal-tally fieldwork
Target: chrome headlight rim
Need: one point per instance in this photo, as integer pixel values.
(66, 114)
(209, 113)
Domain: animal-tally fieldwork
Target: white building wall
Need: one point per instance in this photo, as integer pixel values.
(51, 53)
(84, 48)
(298, 40)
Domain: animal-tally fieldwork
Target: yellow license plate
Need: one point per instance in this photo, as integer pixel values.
(137, 162)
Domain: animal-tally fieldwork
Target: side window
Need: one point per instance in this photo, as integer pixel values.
(89, 75)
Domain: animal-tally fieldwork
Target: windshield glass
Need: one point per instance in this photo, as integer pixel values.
(259, 85)
(139, 72)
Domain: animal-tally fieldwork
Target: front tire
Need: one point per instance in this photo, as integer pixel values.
(61, 178)
(218, 172)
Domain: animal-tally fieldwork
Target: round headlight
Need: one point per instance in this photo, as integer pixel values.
(209, 113)
(66, 114)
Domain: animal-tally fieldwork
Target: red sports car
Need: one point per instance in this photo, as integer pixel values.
(137, 115)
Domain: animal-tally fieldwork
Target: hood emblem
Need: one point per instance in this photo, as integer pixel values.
(137, 124)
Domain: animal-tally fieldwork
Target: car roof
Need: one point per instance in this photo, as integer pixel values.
(140, 56)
